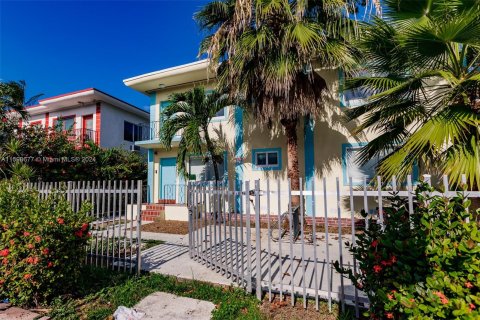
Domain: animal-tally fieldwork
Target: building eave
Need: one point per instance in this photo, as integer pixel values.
(197, 71)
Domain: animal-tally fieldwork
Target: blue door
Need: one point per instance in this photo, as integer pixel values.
(168, 178)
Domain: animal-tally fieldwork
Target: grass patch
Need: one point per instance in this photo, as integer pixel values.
(102, 291)
(147, 244)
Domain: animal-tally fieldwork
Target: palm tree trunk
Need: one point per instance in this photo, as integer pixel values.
(293, 171)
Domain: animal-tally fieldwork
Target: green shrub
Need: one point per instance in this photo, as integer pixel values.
(424, 265)
(42, 244)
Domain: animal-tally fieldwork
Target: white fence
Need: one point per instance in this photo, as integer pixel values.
(259, 247)
(116, 210)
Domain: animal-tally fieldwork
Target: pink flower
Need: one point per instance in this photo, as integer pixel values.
(30, 246)
(377, 268)
(443, 298)
(4, 252)
(45, 251)
(50, 264)
(374, 243)
(84, 227)
(38, 238)
(468, 285)
(389, 315)
(471, 306)
(79, 233)
(60, 221)
(27, 276)
(26, 233)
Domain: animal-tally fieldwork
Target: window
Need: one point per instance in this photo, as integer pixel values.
(200, 171)
(132, 132)
(220, 113)
(353, 98)
(351, 167)
(267, 159)
(66, 123)
(127, 131)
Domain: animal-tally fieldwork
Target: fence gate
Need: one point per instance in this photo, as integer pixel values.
(251, 235)
(116, 209)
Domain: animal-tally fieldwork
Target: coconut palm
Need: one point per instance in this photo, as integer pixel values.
(12, 98)
(267, 53)
(423, 62)
(189, 115)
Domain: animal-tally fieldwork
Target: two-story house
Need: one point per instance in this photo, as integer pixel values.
(326, 147)
(91, 115)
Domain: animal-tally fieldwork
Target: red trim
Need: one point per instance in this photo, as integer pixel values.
(47, 120)
(35, 123)
(84, 120)
(66, 94)
(98, 121)
(20, 123)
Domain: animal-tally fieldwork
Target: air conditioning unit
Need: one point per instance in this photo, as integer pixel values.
(134, 148)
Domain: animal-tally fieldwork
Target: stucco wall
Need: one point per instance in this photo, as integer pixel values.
(112, 122)
(329, 135)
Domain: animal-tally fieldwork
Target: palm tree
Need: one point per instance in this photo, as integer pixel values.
(268, 51)
(423, 62)
(190, 114)
(12, 98)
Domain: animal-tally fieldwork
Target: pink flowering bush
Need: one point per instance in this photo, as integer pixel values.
(424, 265)
(42, 244)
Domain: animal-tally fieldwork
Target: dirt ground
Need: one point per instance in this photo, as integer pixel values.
(167, 226)
(181, 227)
(283, 310)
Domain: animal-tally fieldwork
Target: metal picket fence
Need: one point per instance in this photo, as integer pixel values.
(247, 234)
(177, 192)
(115, 240)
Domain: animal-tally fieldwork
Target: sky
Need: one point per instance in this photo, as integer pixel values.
(63, 46)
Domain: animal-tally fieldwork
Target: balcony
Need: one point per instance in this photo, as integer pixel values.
(150, 134)
(150, 131)
(82, 136)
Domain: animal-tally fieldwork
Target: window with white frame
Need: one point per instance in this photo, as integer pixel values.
(201, 171)
(267, 159)
(352, 167)
(354, 98)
